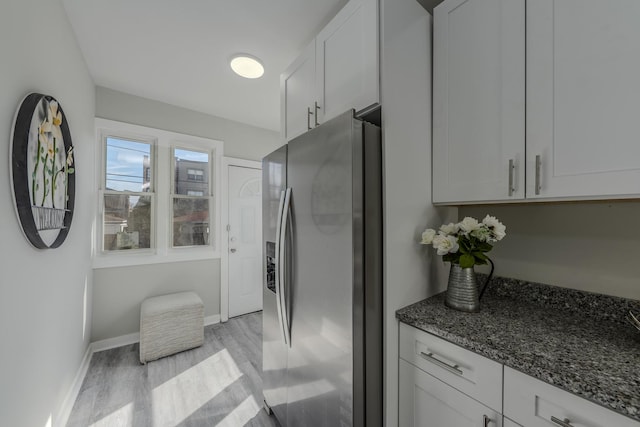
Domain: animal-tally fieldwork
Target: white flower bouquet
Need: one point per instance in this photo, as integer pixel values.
(467, 242)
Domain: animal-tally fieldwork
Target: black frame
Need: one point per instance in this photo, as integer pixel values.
(20, 172)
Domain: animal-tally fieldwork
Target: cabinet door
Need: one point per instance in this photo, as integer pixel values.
(297, 92)
(347, 60)
(479, 101)
(583, 98)
(534, 403)
(428, 402)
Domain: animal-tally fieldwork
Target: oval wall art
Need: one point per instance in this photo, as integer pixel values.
(43, 171)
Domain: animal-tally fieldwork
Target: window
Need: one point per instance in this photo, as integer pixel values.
(195, 175)
(128, 195)
(190, 210)
(158, 196)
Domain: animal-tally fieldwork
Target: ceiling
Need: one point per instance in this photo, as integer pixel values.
(178, 51)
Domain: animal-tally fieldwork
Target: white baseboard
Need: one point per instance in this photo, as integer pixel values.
(72, 395)
(211, 320)
(114, 342)
(133, 338)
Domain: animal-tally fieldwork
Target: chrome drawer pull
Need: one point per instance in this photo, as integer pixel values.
(564, 423)
(451, 368)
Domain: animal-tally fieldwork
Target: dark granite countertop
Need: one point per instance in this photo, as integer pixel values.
(578, 341)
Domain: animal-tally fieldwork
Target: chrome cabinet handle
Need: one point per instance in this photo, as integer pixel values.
(538, 167)
(512, 168)
(309, 113)
(232, 250)
(431, 358)
(564, 423)
(485, 420)
(317, 107)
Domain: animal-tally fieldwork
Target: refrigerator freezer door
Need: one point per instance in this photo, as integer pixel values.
(274, 350)
(322, 177)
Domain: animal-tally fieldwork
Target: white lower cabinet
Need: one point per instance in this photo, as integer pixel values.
(468, 372)
(425, 401)
(444, 385)
(534, 403)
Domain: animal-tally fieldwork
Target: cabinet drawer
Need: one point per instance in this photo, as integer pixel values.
(426, 401)
(532, 403)
(472, 374)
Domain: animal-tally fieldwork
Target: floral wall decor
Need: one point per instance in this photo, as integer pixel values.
(43, 171)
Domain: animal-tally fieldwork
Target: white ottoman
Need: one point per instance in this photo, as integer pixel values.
(170, 324)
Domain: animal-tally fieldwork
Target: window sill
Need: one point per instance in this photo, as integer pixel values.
(128, 259)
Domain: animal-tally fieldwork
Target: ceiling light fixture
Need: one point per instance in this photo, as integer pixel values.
(247, 66)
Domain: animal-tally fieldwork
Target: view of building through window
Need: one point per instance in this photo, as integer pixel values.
(190, 207)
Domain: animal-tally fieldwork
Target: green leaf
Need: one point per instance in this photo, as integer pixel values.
(451, 257)
(484, 247)
(465, 247)
(467, 261)
(71, 170)
(480, 255)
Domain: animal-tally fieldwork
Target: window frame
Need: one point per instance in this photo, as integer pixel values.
(102, 189)
(165, 142)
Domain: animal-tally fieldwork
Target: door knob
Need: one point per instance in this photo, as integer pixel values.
(233, 250)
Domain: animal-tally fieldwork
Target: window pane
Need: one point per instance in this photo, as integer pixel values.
(190, 221)
(191, 172)
(127, 222)
(128, 165)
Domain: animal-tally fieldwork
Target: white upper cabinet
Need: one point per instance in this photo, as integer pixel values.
(347, 60)
(297, 94)
(583, 98)
(337, 72)
(479, 101)
(582, 91)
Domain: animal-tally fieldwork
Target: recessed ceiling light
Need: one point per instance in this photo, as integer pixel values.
(247, 66)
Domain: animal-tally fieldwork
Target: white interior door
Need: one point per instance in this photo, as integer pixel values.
(245, 240)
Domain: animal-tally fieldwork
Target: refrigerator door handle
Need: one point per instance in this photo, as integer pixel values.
(278, 264)
(286, 219)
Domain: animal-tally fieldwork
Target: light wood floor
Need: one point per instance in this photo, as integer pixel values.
(218, 384)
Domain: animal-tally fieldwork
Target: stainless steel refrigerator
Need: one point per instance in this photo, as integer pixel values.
(322, 241)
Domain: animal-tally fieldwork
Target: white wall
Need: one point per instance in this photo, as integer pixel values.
(411, 272)
(118, 292)
(117, 297)
(240, 140)
(42, 292)
(587, 246)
